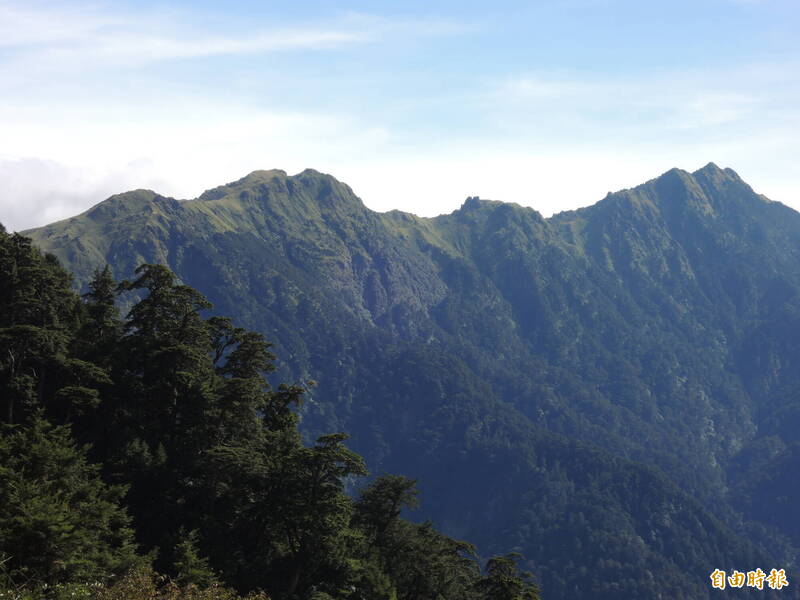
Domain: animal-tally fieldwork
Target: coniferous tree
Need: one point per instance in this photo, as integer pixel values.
(380, 504)
(102, 327)
(191, 567)
(58, 520)
(418, 561)
(164, 390)
(166, 353)
(504, 581)
(37, 309)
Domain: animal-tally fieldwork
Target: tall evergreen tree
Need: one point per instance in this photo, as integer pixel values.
(37, 311)
(102, 327)
(58, 520)
(164, 391)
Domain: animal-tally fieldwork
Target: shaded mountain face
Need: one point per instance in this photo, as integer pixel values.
(613, 391)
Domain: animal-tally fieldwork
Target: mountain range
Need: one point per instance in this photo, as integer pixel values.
(612, 391)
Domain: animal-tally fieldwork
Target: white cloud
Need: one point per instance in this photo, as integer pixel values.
(56, 40)
(67, 45)
(180, 149)
(681, 100)
(140, 48)
(744, 117)
(27, 25)
(36, 192)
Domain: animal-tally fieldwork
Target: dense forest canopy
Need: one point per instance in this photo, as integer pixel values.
(154, 441)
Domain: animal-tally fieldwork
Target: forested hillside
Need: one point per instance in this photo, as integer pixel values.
(610, 391)
(155, 441)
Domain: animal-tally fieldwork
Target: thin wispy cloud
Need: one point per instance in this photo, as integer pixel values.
(127, 49)
(664, 102)
(83, 37)
(29, 25)
(117, 43)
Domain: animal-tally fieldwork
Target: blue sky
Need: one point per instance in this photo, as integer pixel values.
(415, 105)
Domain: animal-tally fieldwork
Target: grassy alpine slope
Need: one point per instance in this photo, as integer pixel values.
(610, 390)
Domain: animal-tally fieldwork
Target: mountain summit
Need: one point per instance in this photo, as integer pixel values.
(610, 390)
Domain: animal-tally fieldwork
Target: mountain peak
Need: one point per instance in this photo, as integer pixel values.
(127, 204)
(714, 173)
(260, 174)
(471, 203)
(308, 172)
(476, 202)
(710, 168)
(709, 177)
(249, 181)
(710, 172)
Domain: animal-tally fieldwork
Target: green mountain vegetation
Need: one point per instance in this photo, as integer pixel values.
(610, 391)
(155, 441)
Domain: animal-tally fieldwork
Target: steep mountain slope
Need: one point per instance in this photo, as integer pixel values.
(611, 389)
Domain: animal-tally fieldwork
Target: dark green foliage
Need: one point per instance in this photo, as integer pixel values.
(190, 567)
(205, 455)
(431, 565)
(58, 521)
(404, 560)
(503, 581)
(379, 506)
(102, 327)
(38, 309)
(612, 391)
